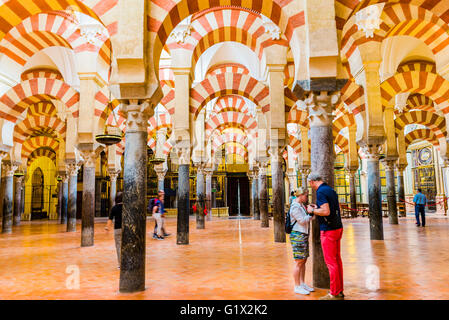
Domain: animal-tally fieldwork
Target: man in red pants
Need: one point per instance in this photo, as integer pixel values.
(327, 210)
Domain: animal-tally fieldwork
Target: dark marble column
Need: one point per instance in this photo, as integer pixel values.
(18, 200)
(88, 210)
(401, 190)
(65, 197)
(214, 186)
(200, 198)
(322, 158)
(374, 192)
(59, 205)
(391, 191)
(113, 174)
(132, 265)
(8, 197)
(255, 192)
(277, 185)
(72, 169)
(182, 235)
(97, 196)
(352, 192)
(263, 195)
(209, 174)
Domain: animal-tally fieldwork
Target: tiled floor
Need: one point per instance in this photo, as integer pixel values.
(221, 263)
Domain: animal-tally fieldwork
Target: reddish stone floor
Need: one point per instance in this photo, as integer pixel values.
(221, 263)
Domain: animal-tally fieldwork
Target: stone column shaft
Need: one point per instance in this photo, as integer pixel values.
(182, 236)
(132, 264)
(59, 206)
(88, 214)
(263, 196)
(209, 194)
(18, 201)
(374, 193)
(8, 198)
(277, 185)
(72, 196)
(255, 192)
(113, 188)
(200, 196)
(65, 198)
(391, 192)
(353, 193)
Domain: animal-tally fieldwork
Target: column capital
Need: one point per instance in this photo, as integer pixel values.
(137, 115)
(113, 174)
(304, 170)
(351, 171)
(275, 153)
(372, 151)
(320, 108)
(292, 177)
(89, 158)
(10, 168)
(263, 166)
(389, 164)
(72, 168)
(160, 172)
(182, 150)
(209, 172)
(3, 155)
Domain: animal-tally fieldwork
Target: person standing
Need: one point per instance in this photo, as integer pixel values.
(116, 215)
(292, 197)
(327, 210)
(299, 238)
(420, 202)
(159, 216)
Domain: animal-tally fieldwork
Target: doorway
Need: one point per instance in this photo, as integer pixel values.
(238, 185)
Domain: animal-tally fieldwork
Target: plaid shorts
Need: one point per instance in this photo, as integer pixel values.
(300, 244)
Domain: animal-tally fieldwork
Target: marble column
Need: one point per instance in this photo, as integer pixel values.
(322, 158)
(401, 187)
(251, 188)
(97, 196)
(209, 174)
(263, 195)
(59, 205)
(374, 192)
(277, 186)
(160, 172)
(200, 198)
(132, 264)
(214, 198)
(88, 210)
(304, 174)
(18, 200)
(65, 197)
(113, 174)
(391, 191)
(292, 182)
(8, 199)
(72, 169)
(255, 192)
(352, 191)
(182, 233)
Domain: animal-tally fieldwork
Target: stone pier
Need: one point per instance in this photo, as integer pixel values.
(72, 169)
(263, 195)
(88, 209)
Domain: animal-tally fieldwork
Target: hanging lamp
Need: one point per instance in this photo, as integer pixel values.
(111, 135)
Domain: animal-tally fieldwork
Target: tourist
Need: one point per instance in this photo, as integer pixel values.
(299, 238)
(327, 210)
(292, 197)
(116, 215)
(420, 202)
(158, 211)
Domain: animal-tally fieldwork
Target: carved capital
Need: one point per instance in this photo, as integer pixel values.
(351, 172)
(320, 108)
(3, 155)
(292, 177)
(89, 158)
(372, 152)
(113, 174)
(209, 173)
(64, 178)
(137, 116)
(263, 166)
(73, 168)
(10, 168)
(389, 164)
(275, 153)
(304, 171)
(182, 150)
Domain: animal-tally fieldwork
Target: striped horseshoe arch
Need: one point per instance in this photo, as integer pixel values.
(229, 84)
(420, 80)
(35, 123)
(353, 96)
(419, 101)
(16, 100)
(435, 122)
(421, 135)
(44, 108)
(231, 103)
(229, 119)
(34, 143)
(42, 152)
